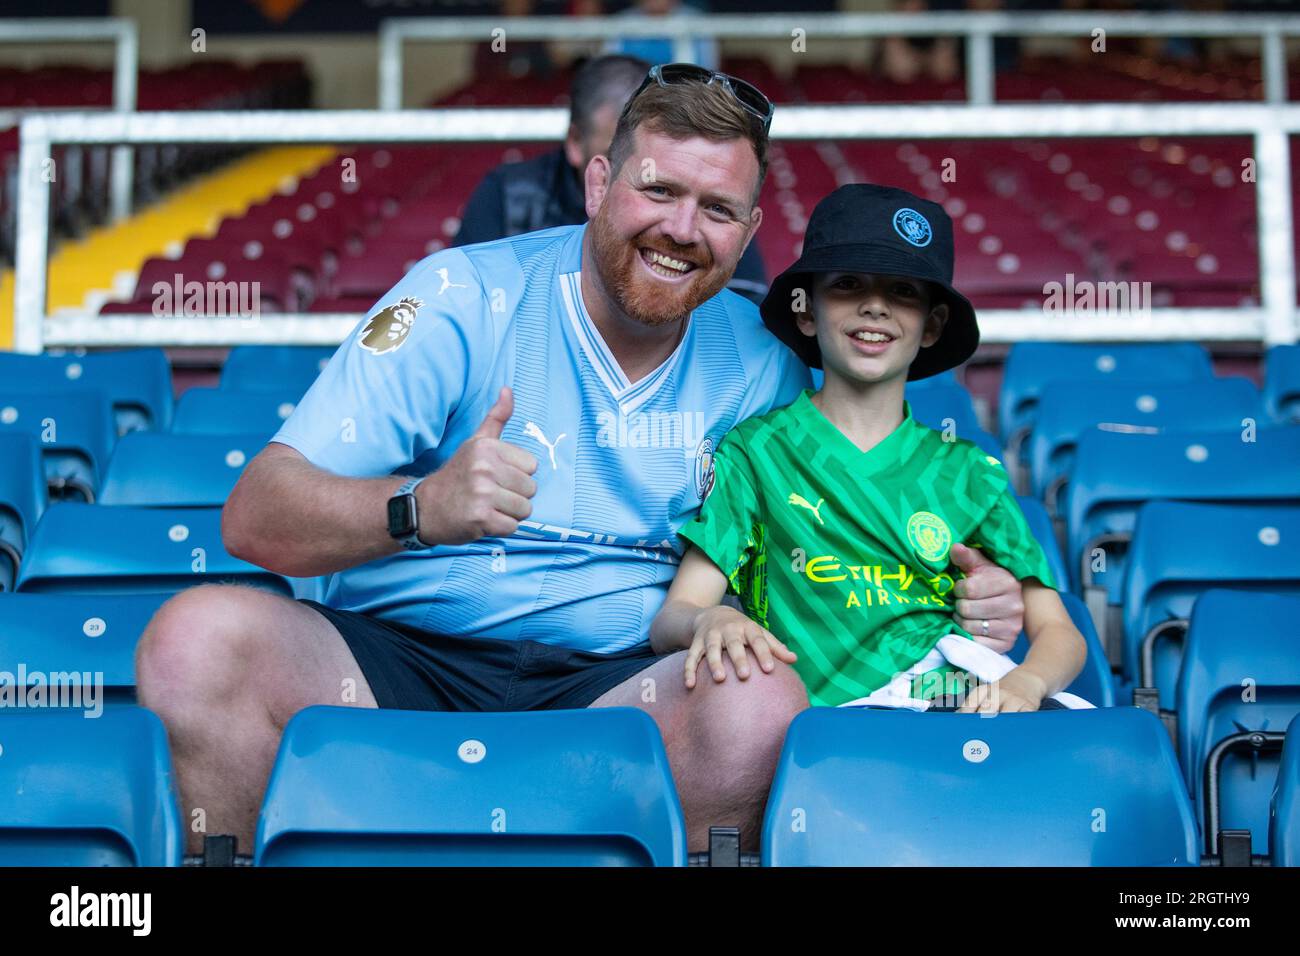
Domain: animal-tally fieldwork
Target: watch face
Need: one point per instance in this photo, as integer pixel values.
(401, 516)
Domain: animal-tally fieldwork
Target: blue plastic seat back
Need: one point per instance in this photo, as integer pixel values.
(103, 549)
(162, 469)
(137, 382)
(1282, 382)
(1055, 788)
(281, 368)
(1066, 409)
(1240, 672)
(76, 791)
(1031, 365)
(1041, 525)
(1284, 812)
(949, 409)
(22, 500)
(230, 411)
(355, 787)
(1115, 474)
(1094, 683)
(90, 639)
(1181, 550)
(74, 429)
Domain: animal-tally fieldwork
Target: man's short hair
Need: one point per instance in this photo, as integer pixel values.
(687, 109)
(603, 81)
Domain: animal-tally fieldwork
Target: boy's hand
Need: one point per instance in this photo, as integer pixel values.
(1020, 690)
(719, 627)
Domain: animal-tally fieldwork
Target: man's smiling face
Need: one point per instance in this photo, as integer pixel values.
(669, 227)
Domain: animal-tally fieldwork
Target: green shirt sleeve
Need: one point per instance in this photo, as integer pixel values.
(1006, 539)
(728, 528)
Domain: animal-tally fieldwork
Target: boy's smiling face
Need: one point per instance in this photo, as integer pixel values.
(871, 327)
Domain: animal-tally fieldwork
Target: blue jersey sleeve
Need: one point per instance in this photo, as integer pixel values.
(782, 377)
(387, 394)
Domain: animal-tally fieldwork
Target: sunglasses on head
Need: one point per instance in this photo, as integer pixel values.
(747, 94)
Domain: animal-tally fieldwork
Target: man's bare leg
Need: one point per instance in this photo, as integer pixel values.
(225, 667)
(723, 740)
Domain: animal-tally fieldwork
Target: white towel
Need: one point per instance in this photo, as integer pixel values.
(971, 656)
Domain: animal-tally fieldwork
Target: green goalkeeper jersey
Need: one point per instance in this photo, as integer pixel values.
(844, 554)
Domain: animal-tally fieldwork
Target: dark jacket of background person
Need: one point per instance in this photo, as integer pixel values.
(545, 191)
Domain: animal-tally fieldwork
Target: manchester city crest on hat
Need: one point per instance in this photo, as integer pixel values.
(913, 227)
(389, 327)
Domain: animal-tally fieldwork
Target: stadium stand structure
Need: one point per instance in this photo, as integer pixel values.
(577, 788)
(1185, 478)
(87, 792)
(883, 788)
(1284, 809)
(1238, 690)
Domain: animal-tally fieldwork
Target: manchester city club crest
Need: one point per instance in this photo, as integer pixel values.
(929, 535)
(389, 327)
(913, 227)
(704, 468)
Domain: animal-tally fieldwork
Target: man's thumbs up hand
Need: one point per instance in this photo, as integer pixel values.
(485, 487)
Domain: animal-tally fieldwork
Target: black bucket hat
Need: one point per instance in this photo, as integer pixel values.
(877, 230)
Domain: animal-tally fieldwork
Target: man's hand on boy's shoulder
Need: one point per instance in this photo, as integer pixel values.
(722, 626)
(988, 593)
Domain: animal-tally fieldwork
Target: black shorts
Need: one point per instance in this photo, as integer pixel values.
(411, 669)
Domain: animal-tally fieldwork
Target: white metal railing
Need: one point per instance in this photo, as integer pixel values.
(1268, 125)
(978, 29)
(122, 33)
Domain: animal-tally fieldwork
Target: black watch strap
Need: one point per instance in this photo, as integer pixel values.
(410, 541)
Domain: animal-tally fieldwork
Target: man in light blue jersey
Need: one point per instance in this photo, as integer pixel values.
(493, 467)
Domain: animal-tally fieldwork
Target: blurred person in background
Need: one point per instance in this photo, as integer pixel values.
(547, 190)
(704, 50)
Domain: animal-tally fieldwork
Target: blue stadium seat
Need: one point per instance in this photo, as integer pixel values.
(1031, 365)
(357, 787)
(22, 500)
(944, 407)
(1240, 676)
(1041, 525)
(943, 380)
(1284, 812)
(138, 382)
(1115, 473)
(100, 549)
(1282, 382)
(230, 411)
(1094, 683)
(162, 469)
(82, 634)
(1068, 409)
(75, 431)
(87, 792)
(1181, 550)
(282, 368)
(1056, 788)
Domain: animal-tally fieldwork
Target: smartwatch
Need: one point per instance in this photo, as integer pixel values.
(403, 518)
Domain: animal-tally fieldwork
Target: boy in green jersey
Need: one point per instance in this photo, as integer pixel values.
(834, 518)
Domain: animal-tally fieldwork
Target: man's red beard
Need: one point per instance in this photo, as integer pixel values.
(621, 271)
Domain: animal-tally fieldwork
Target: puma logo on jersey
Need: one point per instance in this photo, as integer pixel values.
(533, 431)
(447, 283)
(802, 502)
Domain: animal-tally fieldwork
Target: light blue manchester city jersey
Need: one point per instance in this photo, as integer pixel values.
(621, 465)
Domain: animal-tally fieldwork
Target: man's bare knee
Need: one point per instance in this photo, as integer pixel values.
(744, 722)
(197, 646)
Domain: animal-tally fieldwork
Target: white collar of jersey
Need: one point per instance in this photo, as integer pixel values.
(629, 395)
